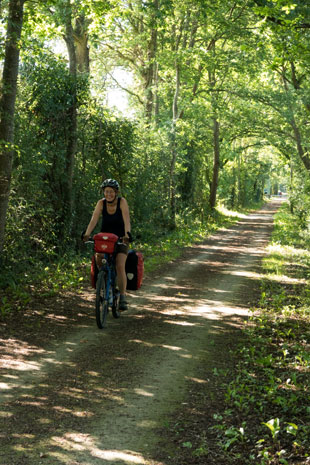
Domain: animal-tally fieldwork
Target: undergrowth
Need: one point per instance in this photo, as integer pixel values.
(20, 282)
(267, 414)
(168, 247)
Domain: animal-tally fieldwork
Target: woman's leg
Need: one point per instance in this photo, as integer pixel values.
(121, 272)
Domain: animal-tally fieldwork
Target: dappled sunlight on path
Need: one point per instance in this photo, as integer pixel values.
(100, 397)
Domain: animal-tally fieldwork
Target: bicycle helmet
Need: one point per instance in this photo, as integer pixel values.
(110, 183)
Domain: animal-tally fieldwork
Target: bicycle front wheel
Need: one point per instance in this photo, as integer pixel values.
(101, 300)
(115, 310)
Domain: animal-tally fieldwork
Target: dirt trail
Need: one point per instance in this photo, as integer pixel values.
(75, 395)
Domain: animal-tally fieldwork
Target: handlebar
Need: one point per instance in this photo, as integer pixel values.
(91, 240)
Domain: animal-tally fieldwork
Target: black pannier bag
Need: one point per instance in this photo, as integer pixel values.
(134, 270)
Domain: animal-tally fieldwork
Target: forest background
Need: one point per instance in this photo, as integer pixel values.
(218, 115)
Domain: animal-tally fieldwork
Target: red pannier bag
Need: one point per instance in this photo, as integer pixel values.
(105, 242)
(93, 272)
(134, 270)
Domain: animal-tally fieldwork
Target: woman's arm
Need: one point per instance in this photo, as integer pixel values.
(126, 215)
(94, 219)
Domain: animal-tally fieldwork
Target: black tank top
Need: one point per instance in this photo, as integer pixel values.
(113, 223)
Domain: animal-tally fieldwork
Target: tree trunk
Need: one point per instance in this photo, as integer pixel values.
(156, 115)
(240, 184)
(301, 150)
(7, 106)
(80, 35)
(150, 77)
(72, 131)
(174, 148)
(291, 186)
(303, 154)
(216, 162)
(216, 135)
(233, 189)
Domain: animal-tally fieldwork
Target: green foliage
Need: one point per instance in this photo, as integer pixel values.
(42, 131)
(29, 234)
(23, 284)
(226, 72)
(294, 229)
(162, 248)
(105, 149)
(245, 65)
(37, 204)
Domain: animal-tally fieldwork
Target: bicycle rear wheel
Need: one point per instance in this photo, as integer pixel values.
(101, 301)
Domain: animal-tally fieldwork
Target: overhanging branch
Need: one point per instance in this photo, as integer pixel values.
(126, 90)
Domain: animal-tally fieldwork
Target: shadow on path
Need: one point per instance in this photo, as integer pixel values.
(99, 397)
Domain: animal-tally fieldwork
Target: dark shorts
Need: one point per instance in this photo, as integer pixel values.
(121, 248)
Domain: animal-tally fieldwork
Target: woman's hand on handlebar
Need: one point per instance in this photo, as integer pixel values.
(86, 238)
(127, 238)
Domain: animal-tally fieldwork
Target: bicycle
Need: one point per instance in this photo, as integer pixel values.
(107, 293)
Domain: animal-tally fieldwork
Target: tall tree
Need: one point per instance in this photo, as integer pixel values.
(7, 105)
(133, 42)
(74, 22)
(288, 25)
(72, 115)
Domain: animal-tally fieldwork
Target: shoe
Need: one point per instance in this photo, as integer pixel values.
(123, 304)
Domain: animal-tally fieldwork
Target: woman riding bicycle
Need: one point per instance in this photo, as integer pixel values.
(116, 220)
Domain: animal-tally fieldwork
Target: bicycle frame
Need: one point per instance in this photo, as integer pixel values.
(106, 293)
(108, 267)
(106, 286)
